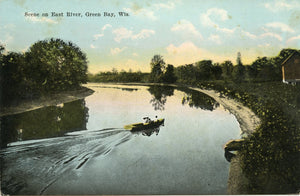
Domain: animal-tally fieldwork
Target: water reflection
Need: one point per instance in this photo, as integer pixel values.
(192, 98)
(148, 132)
(46, 122)
(199, 100)
(160, 94)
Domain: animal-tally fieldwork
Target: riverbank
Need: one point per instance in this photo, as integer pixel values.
(237, 182)
(245, 116)
(47, 100)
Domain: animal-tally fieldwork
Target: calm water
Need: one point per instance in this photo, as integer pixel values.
(81, 147)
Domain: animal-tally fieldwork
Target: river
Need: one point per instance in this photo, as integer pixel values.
(81, 147)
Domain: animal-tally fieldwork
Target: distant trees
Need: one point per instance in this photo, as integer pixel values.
(48, 65)
(157, 68)
(159, 71)
(119, 76)
(227, 68)
(262, 69)
(238, 72)
(169, 75)
(203, 69)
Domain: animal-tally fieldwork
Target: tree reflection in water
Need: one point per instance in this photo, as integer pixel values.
(46, 122)
(160, 94)
(192, 98)
(199, 100)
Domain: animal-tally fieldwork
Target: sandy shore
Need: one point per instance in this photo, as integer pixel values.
(44, 101)
(247, 119)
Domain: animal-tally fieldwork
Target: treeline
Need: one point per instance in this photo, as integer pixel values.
(261, 70)
(122, 76)
(47, 66)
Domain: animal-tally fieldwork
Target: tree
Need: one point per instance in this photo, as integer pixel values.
(238, 73)
(169, 76)
(204, 69)
(13, 81)
(227, 68)
(239, 59)
(157, 68)
(217, 71)
(56, 65)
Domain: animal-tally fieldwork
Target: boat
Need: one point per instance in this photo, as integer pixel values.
(144, 126)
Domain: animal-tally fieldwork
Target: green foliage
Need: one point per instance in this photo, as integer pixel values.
(122, 76)
(169, 75)
(271, 155)
(157, 68)
(238, 73)
(57, 65)
(204, 70)
(227, 68)
(48, 65)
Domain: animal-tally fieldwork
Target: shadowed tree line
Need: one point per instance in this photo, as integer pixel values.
(263, 69)
(47, 66)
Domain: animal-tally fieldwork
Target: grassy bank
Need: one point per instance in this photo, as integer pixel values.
(270, 157)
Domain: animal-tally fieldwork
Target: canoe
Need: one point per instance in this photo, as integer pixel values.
(144, 126)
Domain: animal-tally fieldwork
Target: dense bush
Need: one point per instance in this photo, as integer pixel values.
(48, 65)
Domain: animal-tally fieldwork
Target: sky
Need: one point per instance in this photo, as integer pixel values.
(182, 31)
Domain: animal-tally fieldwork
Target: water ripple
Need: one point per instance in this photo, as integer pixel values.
(54, 156)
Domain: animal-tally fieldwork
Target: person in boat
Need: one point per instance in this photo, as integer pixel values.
(147, 119)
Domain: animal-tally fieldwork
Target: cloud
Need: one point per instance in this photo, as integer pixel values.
(186, 26)
(278, 25)
(215, 38)
(143, 34)
(149, 11)
(248, 34)
(115, 51)
(221, 15)
(186, 52)
(281, 5)
(96, 36)
(270, 34)
(123, 33)
(169, 5)
(144, 12)
(41, 20)
(92, 46)
(293, 39)
(7, 39)
(266, 45)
